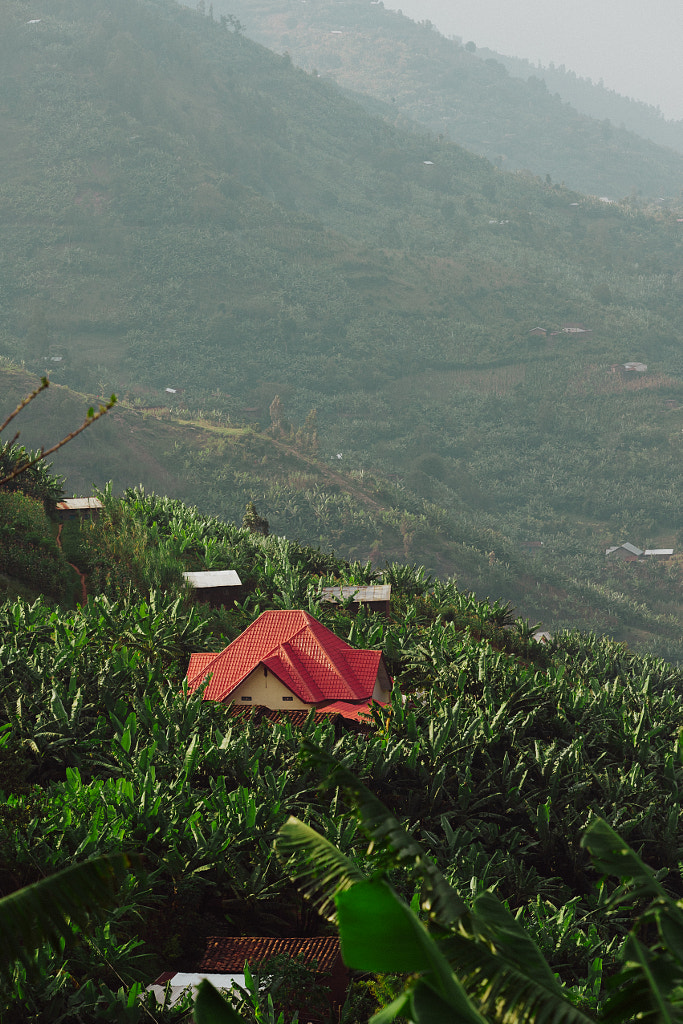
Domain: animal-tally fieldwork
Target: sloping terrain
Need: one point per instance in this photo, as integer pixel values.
(512, 117)
(196, 224)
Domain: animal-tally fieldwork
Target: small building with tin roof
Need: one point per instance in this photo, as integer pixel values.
(215, 586)
(624, 552)
(376, 598)
(78, 508)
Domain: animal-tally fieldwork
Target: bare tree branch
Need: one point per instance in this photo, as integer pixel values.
(43, 453)
(44, 383)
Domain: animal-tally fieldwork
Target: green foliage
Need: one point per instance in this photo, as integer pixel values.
(253, 521)
(27, 545)
(36, 481)
(478, 963)
(52, 910)
(492, 757)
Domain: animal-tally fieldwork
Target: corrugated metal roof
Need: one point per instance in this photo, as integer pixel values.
(659, 551)
(359, 594)
(213, 578)
(308, 658)
(78, 504)
(226, 954)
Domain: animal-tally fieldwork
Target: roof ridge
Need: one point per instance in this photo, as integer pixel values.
(293, 658)
(333, 661)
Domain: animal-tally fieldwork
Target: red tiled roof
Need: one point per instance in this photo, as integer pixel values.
(360, 720)
(227, 955)
(308, 658)
(356, 712)
(198, 663)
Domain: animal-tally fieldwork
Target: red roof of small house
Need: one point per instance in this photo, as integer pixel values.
(229, 953)
(358, 716)
(311, 661)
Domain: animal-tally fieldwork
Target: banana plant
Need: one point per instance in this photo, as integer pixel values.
(56, 908)
(476, 963)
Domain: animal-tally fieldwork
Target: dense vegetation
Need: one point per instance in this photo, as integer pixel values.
(306, 306)
(595, 99)
(496, 752)
(305, 248)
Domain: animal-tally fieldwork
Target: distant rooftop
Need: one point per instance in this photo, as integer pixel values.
(213, 578)
(79, 504)
(358, 594)
(631, 548)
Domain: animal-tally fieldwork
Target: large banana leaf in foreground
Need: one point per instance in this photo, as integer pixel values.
(387, 834)
(211, 1008)
(475, 964)
(57, 907)
(478, 964)
(321, 870)
(649, 986)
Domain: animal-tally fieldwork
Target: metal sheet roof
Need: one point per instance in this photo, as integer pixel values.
(77, 504)
(229, 954)
(359, 594)
(213, 578)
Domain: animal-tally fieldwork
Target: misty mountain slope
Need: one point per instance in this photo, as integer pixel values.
(518, 124)
(166, 185)
(185, 210)
(596, 100)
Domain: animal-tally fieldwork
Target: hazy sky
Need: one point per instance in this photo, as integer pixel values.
(634, 46)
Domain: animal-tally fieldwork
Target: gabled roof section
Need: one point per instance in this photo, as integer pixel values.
(308, 658)
(198, 664)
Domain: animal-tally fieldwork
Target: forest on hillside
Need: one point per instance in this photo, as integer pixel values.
(540, 120)
(200, 226)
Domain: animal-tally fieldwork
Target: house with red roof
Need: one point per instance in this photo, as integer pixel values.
(287, 660)
(325, 977)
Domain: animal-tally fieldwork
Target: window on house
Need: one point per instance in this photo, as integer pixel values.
(246, 698)
(288, 698)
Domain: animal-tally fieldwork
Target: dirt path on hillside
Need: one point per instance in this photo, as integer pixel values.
(81, 575)
(330, 474)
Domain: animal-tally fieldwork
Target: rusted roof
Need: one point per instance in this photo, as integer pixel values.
(311, 661)
(79, 504)
(228, 955)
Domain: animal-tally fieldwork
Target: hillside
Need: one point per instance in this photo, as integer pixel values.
(196, 224)
(596, 100)
(495, 106)
(495, 753)
(361, 515)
